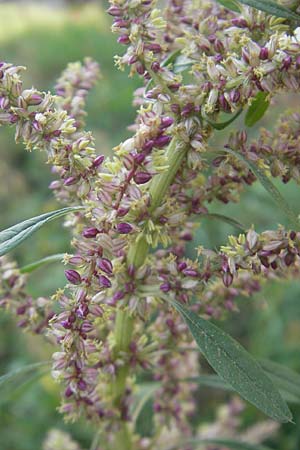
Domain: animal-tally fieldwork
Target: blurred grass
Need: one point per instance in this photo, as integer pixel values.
(45, 40)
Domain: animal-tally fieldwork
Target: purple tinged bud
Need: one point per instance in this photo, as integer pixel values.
(98, 161)
(124, 228)
(190, 272)
(187, 109)
(287, 62)
(13, 118)
(289, 258)
(148, 146)
(155, 66)
(90, 232)
(139, 158)
(66, 324)
(140, 68)
(234, 96)
(181, 266)
(175, 108)
(105, 265)
(104, 281)
(76, 260)
(298, 62)
(161, 141)
(166, 122)
(155, 48)
(21, 310)
(86, 327)
(241, 23)
(118, 296)
(35, 99)
(54, 185)
(82, 311)
(124, 39)
(165, 287)
(73, 276)
(121, 23)
(70, 180)
(68, 392)
(293, 235)
(115, 11)
(133, 59)
(227, 279)
(223, 103)
(122, 212)
(82, 385)
(264, 53)
(142, 177)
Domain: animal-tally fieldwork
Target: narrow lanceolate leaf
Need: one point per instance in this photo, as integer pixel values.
(21, 371)
(235, 365)
(228, 443)
(225, 124)
(15, 235)
(41, 262)
(257, 109)
(230, 4)
(269, 187)
(287, 381)
(235, 223)
(272, 8)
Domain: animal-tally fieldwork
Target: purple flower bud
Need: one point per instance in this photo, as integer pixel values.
(105, 265)
(104, 281)
(139, 158)
(90, 232)
(289, 258)
(68, 392)
(142, 177)
(98, 161)
(234, 96)
(190, 272)
(227, 279)
(264, 53)
(155, 48)
(124, 228)
(76, 260)
(187, 109)
(140, 68)
(114, 11)
(287, 62)
(124, 39)
(297, 62)
(223, 103)
(21, 310)
(165, 287)
(161, 141)
(241, 23)
(86, 327)
(148, 146)
(73, 276)
(82, 311)
(66, 324)
(166, 122)
(70, 180)
(118, 296)
(293, 235)
(122, 212)
(121, 23)
(54, 185)
(175, 108)
(35, 99)
(155, 66)
(82, 385)
(181, 266)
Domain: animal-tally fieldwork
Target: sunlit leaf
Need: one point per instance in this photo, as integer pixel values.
(257, 109)
(225, 124)
(269, 187)
(272, 8)
(235, 365)
(230, 4)
(41, 262)
(15, 235)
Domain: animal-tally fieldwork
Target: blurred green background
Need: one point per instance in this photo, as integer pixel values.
(44, 40)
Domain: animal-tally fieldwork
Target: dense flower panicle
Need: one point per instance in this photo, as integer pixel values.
(198, 60)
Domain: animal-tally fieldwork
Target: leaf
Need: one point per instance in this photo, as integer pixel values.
(18, 389)
(15, 235)
(269, 187)
(287, 381)
(41, 262)
(182, 63)
(171, 58)
(226, 219)
(146, 390)
(272, 8)
(222, 125)
(230, 4)
(257, 109)
(228, 443)
(12, 375)
(235, 365)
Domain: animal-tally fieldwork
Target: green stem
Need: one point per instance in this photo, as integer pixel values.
(136, 256)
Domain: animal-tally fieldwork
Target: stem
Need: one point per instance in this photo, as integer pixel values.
(136, 256)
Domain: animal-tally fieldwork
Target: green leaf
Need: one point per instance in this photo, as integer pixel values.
(222, 125)
(21, 371)
(226, 219)
(41, 262)
(171, 58)
(257, 109)
(232, 5)
(272, 8)
(269, 187)
(15, 235)
(145, 392)
(287, 381)
(235, 365)
(228, 443)
(182, 63)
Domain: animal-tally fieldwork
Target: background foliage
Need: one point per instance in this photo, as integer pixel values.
(45, 40)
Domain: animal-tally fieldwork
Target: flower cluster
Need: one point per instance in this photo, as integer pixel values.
(112, 321)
